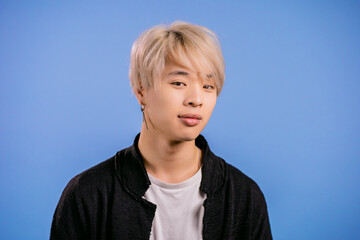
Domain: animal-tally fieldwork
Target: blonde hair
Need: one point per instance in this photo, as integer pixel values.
(193, 46)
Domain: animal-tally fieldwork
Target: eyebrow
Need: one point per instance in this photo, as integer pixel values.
(182, 73)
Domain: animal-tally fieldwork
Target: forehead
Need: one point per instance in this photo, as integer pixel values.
(172, 68)
(193, 64)
(175, 70)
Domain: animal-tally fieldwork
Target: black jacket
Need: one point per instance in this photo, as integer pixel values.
(106, 201)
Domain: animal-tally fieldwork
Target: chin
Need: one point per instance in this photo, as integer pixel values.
(188, 136)
(187, 139)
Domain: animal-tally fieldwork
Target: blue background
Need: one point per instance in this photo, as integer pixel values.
(288, 115)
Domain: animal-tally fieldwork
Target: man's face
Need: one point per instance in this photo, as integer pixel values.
(180, 107)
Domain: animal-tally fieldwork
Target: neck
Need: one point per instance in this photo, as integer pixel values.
(168, 160)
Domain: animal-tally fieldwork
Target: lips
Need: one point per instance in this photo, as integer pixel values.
(190, 119)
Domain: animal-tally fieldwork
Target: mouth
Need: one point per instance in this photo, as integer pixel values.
(190, 119)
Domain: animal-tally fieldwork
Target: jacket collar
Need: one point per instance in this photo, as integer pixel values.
(132, 174)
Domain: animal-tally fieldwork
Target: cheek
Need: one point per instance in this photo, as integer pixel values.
(211, 105)
(167, 98)
(162, 107)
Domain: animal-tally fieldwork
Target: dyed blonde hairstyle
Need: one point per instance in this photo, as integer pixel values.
(189, 45)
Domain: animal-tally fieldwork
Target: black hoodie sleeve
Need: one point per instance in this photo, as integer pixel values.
(260, 219)
(69, 220)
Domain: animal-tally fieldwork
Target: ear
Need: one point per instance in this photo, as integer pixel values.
(139, 95)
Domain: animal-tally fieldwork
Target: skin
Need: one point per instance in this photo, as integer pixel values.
(176, 112)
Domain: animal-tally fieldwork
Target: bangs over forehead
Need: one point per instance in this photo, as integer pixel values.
(188, 45)
(194, 60)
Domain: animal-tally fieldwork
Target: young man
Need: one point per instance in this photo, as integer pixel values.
(168, 184)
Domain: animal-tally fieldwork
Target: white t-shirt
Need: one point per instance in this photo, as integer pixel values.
(179, 213)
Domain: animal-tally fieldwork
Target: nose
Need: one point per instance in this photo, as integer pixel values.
(193, 97)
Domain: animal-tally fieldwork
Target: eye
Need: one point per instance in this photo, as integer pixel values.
(178, 84)
(209, 87)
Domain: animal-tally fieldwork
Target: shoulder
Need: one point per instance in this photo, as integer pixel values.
(247, 193)
(242, 184)
(93, 180)
(80, 199)
(84, 191)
